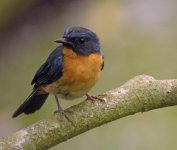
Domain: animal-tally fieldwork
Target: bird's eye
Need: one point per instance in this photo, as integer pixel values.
(81, 40)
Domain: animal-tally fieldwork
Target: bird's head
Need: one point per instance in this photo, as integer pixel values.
(81, 40)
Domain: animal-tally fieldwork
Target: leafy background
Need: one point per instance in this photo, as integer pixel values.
(137, 37)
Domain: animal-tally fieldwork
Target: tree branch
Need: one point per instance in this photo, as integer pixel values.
(140, 94)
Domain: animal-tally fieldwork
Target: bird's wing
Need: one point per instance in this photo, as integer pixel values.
(102, 65)
(51, 70)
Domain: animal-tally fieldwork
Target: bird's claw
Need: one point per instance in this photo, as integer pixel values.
(97, 97)
(62, 112)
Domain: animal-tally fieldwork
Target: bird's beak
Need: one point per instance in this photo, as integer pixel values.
(64, 42)
(61, 40)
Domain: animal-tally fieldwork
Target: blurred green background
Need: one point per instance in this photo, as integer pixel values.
(137, 37)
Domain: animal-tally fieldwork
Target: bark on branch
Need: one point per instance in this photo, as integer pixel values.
(140, 94)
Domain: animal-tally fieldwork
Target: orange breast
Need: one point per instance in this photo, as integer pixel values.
(80, 74)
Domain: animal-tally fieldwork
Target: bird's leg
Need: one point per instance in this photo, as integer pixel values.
(61, 110)
(97, 97)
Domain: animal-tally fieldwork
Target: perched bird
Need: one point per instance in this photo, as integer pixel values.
(69, 72)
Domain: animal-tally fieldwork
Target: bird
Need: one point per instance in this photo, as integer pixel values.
(69, 72)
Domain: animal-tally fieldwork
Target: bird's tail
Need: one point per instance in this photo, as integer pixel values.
(31, 104)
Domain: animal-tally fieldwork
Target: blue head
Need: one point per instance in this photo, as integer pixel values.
(81, 40)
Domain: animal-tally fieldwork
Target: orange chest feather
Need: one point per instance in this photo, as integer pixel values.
(80, 68)
(80, 73)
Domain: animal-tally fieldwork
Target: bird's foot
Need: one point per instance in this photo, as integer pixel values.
(62, 112)
(96, 97)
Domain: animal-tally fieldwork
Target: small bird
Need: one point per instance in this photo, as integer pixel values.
(69, 72)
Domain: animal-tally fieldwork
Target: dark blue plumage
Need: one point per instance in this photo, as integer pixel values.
(74, 36)
(31, 104)
(51, 70)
